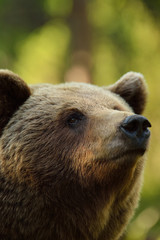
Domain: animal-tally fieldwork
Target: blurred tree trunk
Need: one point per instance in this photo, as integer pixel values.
(80, 68)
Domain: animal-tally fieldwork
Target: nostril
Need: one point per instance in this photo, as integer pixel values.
(130, 126)
(146, 124)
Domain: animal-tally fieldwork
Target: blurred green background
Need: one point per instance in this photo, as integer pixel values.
(92, 41)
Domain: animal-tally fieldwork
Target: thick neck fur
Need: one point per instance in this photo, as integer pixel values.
(29, 212)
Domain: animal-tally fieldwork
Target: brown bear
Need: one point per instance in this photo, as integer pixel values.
(71, 158)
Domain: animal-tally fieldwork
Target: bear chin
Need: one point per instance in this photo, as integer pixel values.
(128, 154)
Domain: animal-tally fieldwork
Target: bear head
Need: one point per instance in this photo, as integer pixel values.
(79, 146)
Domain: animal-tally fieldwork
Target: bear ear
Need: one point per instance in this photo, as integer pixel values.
(132, 88)
(13, 93)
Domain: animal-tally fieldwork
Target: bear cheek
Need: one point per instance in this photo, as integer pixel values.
(89, 156)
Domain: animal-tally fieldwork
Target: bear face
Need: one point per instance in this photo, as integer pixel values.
(73, 155)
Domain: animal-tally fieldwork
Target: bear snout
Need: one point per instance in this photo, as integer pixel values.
(135, 128)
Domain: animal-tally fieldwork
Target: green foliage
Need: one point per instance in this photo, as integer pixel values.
(41, 55)
(58, 7)
(36, 42)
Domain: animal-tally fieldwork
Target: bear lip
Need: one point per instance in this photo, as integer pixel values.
(132, 152)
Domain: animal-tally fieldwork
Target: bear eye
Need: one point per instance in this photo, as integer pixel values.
(116, 108)
(74, 119)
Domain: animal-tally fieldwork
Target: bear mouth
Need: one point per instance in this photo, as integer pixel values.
(133, 153)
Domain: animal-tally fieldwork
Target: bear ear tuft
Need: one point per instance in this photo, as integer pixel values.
(13, 93)
(132, 88)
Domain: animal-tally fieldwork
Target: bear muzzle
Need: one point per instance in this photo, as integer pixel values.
(135, 128)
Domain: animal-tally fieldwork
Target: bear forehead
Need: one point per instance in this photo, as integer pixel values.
(79, 94)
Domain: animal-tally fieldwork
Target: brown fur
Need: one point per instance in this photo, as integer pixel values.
(63, 182)
(13, 92)
(133, 96)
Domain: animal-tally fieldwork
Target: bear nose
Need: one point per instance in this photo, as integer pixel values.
(136, 128)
